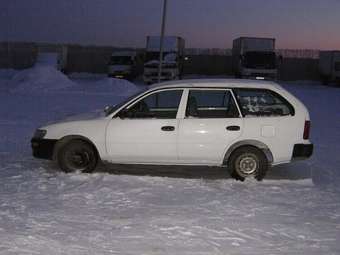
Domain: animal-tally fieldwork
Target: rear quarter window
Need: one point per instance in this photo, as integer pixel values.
(262, 103)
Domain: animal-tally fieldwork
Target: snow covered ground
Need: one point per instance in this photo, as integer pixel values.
(44, 211)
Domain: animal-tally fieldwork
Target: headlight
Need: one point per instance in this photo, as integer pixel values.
(39, 133)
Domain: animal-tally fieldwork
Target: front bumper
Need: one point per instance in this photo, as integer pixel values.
(43, 148)
(302, 151)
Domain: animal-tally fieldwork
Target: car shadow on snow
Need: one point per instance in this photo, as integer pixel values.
(294, 171)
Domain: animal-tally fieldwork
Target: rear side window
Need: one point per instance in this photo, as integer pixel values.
(211, 104)
(262, 102)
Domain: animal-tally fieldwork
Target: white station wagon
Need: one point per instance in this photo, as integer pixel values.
(243, 125)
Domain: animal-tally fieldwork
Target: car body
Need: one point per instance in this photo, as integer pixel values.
(191, 122)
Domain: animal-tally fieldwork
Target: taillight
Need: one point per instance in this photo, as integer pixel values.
(306, 130)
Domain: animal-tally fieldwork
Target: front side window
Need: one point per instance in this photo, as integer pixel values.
(160, 105)
(211, 104)
(262, 102)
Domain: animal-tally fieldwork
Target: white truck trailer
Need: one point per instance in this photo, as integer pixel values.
(329, 66)
(172, 61)
(255, 57)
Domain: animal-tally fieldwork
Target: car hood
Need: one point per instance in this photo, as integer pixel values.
(97, 114)
(86, 116)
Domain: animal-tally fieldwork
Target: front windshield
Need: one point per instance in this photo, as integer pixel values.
(117, 106)
(259, 60)
(120, 60)
(154, 55)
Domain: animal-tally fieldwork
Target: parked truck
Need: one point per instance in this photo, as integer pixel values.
(255, 58)
(329, 66)
(122, 65)
(172, 61)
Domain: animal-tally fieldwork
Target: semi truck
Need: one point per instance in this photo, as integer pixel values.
(172, 61)
(329, 66)
(122, 65)
(255, 57)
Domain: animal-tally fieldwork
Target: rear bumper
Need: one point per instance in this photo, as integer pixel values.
(43, 148)
(302, 151)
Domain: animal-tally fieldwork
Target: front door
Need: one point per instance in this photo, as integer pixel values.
(147, 130)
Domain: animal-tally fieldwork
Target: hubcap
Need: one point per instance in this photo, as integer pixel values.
(247, 165)
(79, 160)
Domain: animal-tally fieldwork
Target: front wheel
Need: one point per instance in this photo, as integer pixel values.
(248, 161)
(77, 156)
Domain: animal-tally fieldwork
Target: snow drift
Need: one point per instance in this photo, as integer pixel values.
(40, 78)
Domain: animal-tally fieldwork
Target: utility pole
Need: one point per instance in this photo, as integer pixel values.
(161, 41)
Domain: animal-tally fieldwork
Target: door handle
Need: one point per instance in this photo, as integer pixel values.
(168, 128)
(233, 128)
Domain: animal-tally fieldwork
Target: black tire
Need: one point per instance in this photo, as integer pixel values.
(248, 161)
(77, 156)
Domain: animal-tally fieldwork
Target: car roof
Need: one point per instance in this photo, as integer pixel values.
(217, 83)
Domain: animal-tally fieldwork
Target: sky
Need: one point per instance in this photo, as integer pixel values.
(296, 24)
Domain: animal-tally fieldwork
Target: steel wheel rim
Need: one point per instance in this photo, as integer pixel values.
(78, 160)
(247, 164)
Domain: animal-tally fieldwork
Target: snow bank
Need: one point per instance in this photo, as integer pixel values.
(7, 73)
(40, 78)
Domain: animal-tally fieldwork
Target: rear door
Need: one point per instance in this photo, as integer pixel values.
(270, 119)
(211, 123)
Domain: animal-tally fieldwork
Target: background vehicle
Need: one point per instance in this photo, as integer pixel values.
(255, 57)
(244, 125)
(173, 57)
(122, 65)
(329, 66)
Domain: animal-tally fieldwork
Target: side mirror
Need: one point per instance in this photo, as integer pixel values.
(108, 109)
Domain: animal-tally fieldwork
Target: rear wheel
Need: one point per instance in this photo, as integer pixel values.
(247, 162)
(77, 156)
